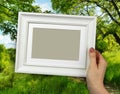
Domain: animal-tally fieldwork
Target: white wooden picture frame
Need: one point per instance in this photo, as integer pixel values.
(53, 44)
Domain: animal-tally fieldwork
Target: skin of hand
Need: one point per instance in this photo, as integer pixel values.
(95, 73)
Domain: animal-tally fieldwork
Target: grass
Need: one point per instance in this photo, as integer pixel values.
(41, 84)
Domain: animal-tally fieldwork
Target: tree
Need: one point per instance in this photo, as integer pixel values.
(85, 7)
(9, 14)
(107, 12)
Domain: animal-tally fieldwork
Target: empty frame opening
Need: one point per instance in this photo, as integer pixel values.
(58, 44)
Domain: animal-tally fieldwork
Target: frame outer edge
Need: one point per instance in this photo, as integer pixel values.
(17, 43)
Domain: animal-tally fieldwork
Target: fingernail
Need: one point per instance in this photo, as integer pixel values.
(91, 49)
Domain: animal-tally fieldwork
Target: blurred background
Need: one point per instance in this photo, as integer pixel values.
(107, 42)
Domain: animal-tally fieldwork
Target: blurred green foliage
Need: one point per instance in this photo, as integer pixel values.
(14, 83)
(11, 82)
(112, 76)
(9, 14)
(6, 69)
(108, 18)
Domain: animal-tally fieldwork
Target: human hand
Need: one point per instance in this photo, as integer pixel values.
(96, 72)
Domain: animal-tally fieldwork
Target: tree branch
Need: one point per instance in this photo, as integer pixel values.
(116, 8)
(105, 9)
(108, 13)
(117, 38)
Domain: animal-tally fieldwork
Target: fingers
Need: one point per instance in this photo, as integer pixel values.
(96, 60)
(101, 62)
(92, 54)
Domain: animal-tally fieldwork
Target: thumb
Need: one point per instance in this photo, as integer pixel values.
(92, 55)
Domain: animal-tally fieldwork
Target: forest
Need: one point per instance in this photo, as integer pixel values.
(107, 42)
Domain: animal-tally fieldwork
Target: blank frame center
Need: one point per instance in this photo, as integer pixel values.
(58, 44)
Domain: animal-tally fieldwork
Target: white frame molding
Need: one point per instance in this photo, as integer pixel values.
(26, 64)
